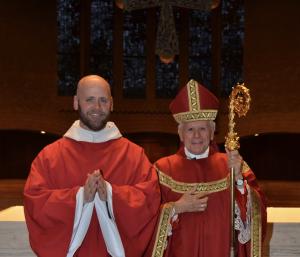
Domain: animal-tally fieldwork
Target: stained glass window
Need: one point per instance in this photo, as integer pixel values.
(233, 13)
(200, 42)
(167, 78)
(101, 38)
(68, 46)
(134, 54)
(100, 50)
(167, 75)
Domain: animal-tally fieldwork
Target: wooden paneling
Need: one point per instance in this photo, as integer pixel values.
(281, 193)
(28, 73)
(278, 193)
(11, 192)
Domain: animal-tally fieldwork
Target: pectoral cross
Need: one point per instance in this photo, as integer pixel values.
(166, 41)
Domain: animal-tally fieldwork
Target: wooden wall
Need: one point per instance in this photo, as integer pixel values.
(28, 79)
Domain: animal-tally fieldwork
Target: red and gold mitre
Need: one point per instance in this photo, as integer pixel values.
(194, 102)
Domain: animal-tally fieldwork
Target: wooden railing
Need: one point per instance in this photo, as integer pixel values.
(278, 193)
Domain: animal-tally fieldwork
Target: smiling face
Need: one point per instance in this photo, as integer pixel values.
(93, 102)
(196, 135)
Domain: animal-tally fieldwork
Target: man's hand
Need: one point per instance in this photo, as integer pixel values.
(235, 161)
(91, 185)
(102, 187)
(191, 202)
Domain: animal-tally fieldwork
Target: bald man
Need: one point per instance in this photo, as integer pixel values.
(92, 192)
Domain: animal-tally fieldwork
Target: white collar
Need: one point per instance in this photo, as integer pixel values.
(191, 156)
(109, 132)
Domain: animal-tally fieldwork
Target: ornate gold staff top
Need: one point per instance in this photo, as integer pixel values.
(239, 104)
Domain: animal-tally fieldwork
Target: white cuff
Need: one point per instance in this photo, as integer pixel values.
(241, 186)
(108, 226)
(109, 199)
(83, 215)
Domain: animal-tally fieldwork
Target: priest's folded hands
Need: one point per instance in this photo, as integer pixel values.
(94, 183)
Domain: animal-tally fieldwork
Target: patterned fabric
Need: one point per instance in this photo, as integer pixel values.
(194, 102)
(197, 234)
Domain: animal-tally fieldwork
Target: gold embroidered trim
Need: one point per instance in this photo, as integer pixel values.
(194, 113)
(181, 187)
(162, 232)
(193, 96)
(193, 116)
(256, 228)
(245, 167)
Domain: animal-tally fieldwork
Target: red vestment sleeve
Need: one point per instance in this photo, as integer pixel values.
(49, 211)
(252, 182)
(136, 207)
(260, 217)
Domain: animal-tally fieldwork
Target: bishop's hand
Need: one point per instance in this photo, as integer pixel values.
(191, 202)
(235, 161)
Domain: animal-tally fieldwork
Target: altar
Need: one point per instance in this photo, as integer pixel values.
(14, 240)
(283, 233)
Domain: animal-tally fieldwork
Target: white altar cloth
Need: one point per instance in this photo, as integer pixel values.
(13, 233)
(283, 233)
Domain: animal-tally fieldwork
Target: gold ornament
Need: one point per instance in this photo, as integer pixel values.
(239, 104)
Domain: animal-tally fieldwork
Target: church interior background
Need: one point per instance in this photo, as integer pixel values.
(47, 45)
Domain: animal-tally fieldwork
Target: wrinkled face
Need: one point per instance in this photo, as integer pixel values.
(94, 103)
(196, 135)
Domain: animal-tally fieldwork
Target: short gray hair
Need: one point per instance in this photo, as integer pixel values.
(212, 124)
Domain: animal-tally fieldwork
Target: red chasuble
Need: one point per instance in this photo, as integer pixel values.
(55, 177)
(204, 234)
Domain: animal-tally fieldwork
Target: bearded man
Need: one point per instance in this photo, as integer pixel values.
(92, 192)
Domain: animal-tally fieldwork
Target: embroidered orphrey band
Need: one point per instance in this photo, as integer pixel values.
(256, 229)
(194, 113)
(245, 167)
(162, 233)
(192, 116)
(181, 187)
(194, 100)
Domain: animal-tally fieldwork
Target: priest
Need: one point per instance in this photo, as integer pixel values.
(92, 192)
